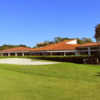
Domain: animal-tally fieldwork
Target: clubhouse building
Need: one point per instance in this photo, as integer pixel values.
(66, 47)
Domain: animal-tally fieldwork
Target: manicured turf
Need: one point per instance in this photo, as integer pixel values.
(63, 81)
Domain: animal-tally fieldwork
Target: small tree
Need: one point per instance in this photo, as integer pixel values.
(57, 39)
(84, 40)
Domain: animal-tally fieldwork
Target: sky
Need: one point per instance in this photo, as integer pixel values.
(32, 21)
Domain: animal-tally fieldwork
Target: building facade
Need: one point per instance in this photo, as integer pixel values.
(66, 47)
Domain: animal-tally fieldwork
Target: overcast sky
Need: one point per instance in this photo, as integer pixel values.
(33, 21)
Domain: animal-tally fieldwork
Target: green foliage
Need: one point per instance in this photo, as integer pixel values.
(43, 44)
(56, 40)
(59, 39)
(84, 40)
(11, 46)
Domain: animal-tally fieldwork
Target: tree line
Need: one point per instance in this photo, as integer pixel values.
(7, 46)
(56, 40)
(59, 39)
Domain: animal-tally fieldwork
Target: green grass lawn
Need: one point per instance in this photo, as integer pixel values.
(62, 81)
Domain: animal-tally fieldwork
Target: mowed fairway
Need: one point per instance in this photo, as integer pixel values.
(62, 81)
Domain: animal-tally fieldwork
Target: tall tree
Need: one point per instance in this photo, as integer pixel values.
(97, 31)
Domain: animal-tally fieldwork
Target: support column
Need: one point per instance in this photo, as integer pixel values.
(23, 54)
(9, 54)
(64, 53)
(16, 54)
(89, 51)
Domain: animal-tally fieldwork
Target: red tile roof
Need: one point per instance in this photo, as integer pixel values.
(89, 44)
(58, 46)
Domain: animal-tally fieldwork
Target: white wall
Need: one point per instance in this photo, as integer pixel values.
(72, 42)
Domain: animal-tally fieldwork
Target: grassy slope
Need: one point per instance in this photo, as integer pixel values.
(63, 81)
